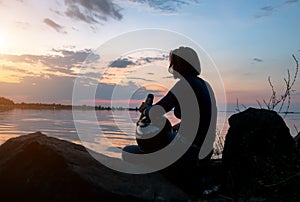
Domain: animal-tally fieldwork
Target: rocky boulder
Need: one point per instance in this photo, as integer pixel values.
(259, 152)
(297, 139)
(39, 168)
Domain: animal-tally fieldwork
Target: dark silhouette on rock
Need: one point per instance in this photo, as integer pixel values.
(39, 168)
(259, 153)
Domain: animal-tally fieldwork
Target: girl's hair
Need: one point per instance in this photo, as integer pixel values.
(185, 62)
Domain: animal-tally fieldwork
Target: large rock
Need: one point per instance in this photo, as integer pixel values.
(259, 151)
(39, 168)
(297, 139)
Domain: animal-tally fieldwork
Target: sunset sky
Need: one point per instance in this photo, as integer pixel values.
(43, 46)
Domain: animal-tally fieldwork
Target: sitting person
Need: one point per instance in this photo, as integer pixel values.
(193, 102)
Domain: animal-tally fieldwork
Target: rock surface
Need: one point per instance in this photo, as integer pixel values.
(297, 139)
(259, 154)
(35, 167)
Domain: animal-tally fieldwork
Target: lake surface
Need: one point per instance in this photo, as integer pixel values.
(111, 131)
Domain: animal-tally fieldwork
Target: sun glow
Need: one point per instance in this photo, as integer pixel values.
(1, 41)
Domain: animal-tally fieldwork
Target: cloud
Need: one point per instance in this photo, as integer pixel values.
(22, 25)
(62, 62)
(47, 90)
(139, 78)
(30, 59)
(54, 25)
(265, 11)
(152, 59)
(14, 69)
(164, 5)
(257, 60)
(62, 58)
(291, 1)
(91, 11)
(249, 74)
(121, 92)
(114, 93)
(269, 10)
(168, 77)
(69, 57)
(21, 1)
(125, 62)
(50, 78)
(56, 89)
(121, 63)
(142, 92)
(56, 12)
(94, 12)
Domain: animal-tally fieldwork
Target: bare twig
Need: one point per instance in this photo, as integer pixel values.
(285, 98)
(265, 102)
(259, 104)
(296, 129)
(272, 100)
(237, 108)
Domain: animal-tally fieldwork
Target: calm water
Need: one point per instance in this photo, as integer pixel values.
(111, 131)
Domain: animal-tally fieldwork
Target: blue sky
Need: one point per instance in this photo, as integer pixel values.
(43, 42)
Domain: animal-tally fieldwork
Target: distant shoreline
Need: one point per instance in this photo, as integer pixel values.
(42, 106)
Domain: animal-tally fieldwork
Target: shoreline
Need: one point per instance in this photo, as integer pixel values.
(63, 107)
(41, 106)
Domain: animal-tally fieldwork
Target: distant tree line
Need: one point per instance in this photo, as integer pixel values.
(108, 108)
(6, 101)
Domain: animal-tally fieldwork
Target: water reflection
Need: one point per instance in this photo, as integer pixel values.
(114, 128)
